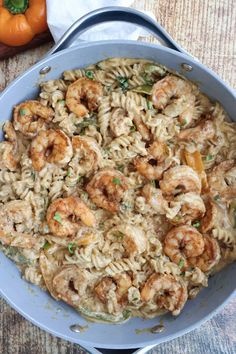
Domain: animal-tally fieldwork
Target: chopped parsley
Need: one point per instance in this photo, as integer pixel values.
(197, 224)
(33, 175)
(126, 314)
(181, 263)
(46, 245)
(149, 104)
(133, 128)
(89, 74)
(184, 122)
(123, 82)
(216, 197)
(119, 234)
(57, 217)
(86, 122)
(62, 101)
(153, 182)
(120, 168)
(23, 111)
(68, 173)
(208, 157)
(71, 247)
(116, 181)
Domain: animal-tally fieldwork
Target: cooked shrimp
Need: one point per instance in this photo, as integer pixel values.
(133, 239)
(83, 95)
(63, 214)
(52, 146)
(153, 166)
(87, 155)
(191, 207)
(9, 150)
(15, 221)
(183, 242)
(168, 293)
(121, 284)
(120, 122)
(180, 179)
(30, 117)
(106, 189)
(222, 180)
(155, 199)
(210, 256)
(165, 89)
(70, 283)
(199, 134)
(141, 127)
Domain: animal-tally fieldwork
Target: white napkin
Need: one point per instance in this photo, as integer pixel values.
(61, 15)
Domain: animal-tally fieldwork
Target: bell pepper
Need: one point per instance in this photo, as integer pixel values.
(21, 20)
(194, 160)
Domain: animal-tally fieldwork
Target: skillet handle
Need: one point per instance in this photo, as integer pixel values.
(115, 13)
(144, 350)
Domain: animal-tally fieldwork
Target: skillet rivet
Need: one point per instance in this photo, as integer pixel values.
(186, 67)
(45, 70)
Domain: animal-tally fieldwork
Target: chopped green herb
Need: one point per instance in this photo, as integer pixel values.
(146, 89)
(23, 111)
(62, 101)
(46, 245)
(135, 299)
(216, 197)
(86, 122)
(119, 234)
(153, 182)
(151, 68)
(133, 128)
(57, 217)
(121, 168)
(208, 157)
(149, 104)
(181, 263)
(68, 173)
(123, 81)
(126, 314)
(197, 224)
(71, 247)
(33, 175)
(125, 206)
(178, 217)
(184, 122)
(116, 181)
(89, 75)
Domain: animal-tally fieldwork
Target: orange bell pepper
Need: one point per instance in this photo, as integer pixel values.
(194, 160)
(21, 20)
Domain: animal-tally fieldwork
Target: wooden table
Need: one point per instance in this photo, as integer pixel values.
(207, 29)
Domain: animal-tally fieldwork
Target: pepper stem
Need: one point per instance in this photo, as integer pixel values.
(16, 6)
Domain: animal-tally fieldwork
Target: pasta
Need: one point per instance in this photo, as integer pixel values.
(118, 189)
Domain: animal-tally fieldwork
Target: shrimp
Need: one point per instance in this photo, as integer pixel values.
(222, 180)
(69, 283)
(199, 134)
(120, 122)
(165, 89)
(62, 215)
(52, 146)
(183, 242)
(186, 246)
(87, 155)
(168, 292)
(121, 284)
(15, 221)
(180, 179)
(153, 166)
(191, 207)
(10, 154)
(133, 239)
(155, 199)
(210, 256)
(83, 95)
(106, 189)
(30, 117)
(141, 127)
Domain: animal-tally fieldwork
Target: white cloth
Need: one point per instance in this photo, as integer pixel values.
(62, 14)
